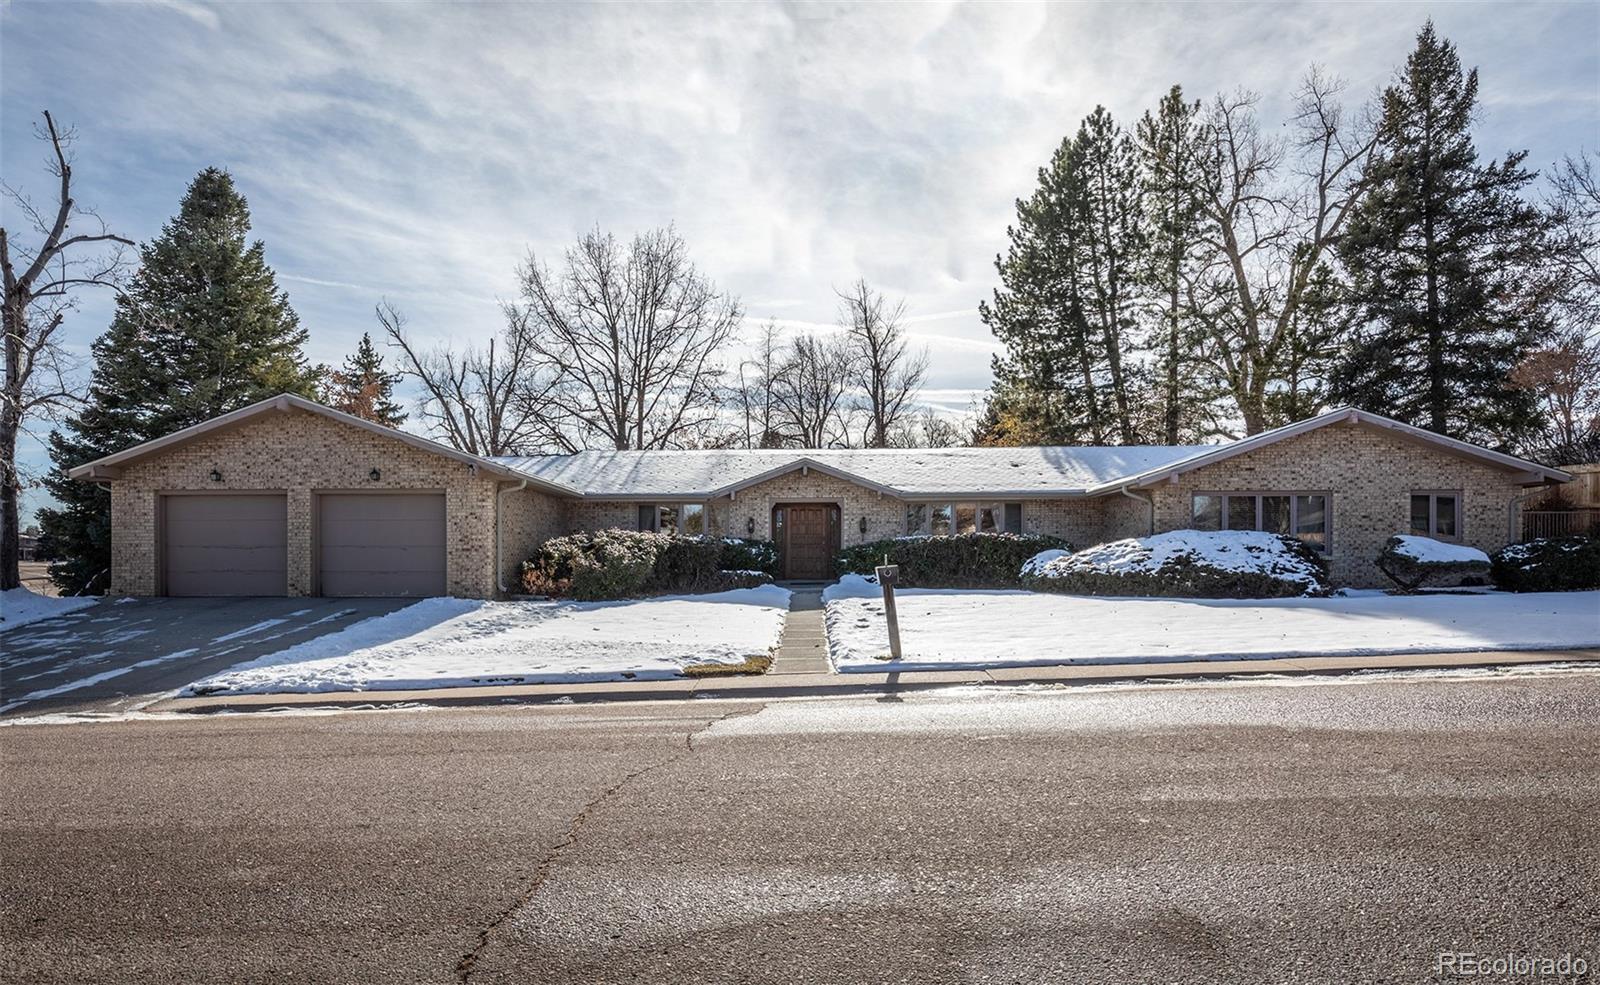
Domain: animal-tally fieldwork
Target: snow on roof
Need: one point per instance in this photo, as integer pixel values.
(901, 471)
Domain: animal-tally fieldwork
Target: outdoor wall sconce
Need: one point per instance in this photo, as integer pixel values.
(750, 526)
(863, 526)
(374, 475)
(216, 476)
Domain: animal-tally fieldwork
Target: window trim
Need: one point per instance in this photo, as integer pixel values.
(1294, 510)
(928, 507)
(1459, 537)
(655, 508)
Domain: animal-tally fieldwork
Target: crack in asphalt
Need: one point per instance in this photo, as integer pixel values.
(469, 961)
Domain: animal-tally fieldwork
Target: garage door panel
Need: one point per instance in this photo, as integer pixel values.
(225, 545)
(377, 544)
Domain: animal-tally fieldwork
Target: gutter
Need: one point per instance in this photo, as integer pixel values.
(1513, 508)
(499, 549)
(1149, 501)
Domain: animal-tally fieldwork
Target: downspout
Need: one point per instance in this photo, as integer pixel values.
(1513, 535)
(1149, 501)
(499, 550)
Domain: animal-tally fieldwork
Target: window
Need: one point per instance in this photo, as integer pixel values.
(944, 519)
(1436, 515)
(1302, 515)
(673, 518)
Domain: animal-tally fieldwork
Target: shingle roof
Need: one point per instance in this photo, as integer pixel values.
(911, 471)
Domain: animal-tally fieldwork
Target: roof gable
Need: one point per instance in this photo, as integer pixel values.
(111, 466)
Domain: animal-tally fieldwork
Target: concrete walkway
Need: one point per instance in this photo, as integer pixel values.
(771, 685)
(805, 640)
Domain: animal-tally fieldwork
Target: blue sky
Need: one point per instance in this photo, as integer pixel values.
(417, 151)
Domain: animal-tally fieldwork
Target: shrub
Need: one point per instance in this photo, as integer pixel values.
(614, 564)
(740, 554)
(1410, 561)
(962, 561)
(1559, 564)
(1228, 564)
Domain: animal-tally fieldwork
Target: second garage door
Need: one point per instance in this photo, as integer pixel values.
(391, 544)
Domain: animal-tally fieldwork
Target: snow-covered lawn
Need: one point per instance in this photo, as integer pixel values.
(954, 629)
(461, 642)
(18, 607)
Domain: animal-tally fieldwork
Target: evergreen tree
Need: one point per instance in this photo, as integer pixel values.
(1066, 311)
(202, 330)
(364, 387)
(1171, 146)
(1441, 255)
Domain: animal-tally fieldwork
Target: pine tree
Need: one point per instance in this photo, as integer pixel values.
(364, 388)
(1066, 311)
(1441, 255)
(1171, 146)
(201, 330)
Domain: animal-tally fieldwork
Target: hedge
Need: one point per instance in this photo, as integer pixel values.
(1559, 564)
(961, 561)
(615, 564)
(1408, 571)
(1173, 565)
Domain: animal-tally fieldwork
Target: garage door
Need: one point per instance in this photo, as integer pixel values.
(225, 545)
(381, 544)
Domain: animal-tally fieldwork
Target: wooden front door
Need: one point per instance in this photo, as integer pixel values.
(810, 535)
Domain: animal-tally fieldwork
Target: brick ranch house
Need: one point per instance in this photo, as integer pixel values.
(288, 497)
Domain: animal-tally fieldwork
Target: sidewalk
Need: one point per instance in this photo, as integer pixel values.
(825, 684)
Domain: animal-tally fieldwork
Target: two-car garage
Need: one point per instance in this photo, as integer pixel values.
(364, 544)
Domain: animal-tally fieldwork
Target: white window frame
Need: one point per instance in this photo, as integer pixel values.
(1293, 496)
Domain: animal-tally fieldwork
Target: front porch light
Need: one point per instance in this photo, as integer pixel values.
(863, 526)
(374, 475)
(750, 526)
(216, 476)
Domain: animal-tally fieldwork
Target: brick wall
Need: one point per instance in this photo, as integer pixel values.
(528, 518)
(300, 453)
(1371, 474)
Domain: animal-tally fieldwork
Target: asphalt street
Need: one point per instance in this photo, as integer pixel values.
(1248, 832)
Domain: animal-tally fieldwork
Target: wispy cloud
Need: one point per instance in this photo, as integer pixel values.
(418, 151)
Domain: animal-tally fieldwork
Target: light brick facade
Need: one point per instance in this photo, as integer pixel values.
(1371, 474)
(301, 454)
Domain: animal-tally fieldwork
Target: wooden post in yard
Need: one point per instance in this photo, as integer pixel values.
(887, 574)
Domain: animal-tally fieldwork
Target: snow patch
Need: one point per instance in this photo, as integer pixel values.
(19, 607)
(1226, 550)
(445, 642)
(1429, 551)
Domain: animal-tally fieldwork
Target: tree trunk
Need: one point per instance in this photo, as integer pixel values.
(10, 424)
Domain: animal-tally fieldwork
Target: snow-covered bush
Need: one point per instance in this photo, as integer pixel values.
(1410, 561)
(962, 561)
(1557, 564)
(614, 564)
(1225, 564)
(728, 580)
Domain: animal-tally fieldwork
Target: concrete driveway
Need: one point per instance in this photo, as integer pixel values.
(115, 654)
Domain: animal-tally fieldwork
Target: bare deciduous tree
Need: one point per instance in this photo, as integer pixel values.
(38, 298)
(1566, 377)
(487, 402)
(889, 372)
(757, 390)
(1272, 216)
(812, 390)
(634, 334)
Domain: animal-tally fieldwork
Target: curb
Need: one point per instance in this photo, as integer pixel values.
(767, 687)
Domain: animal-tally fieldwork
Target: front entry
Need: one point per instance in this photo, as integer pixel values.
(807, 535)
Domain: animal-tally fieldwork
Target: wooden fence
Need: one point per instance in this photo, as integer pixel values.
(1559, 523)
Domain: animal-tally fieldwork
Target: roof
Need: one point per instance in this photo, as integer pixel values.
(1056, 471)
(110, 466)
(1048, 471)
(1530, 473)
